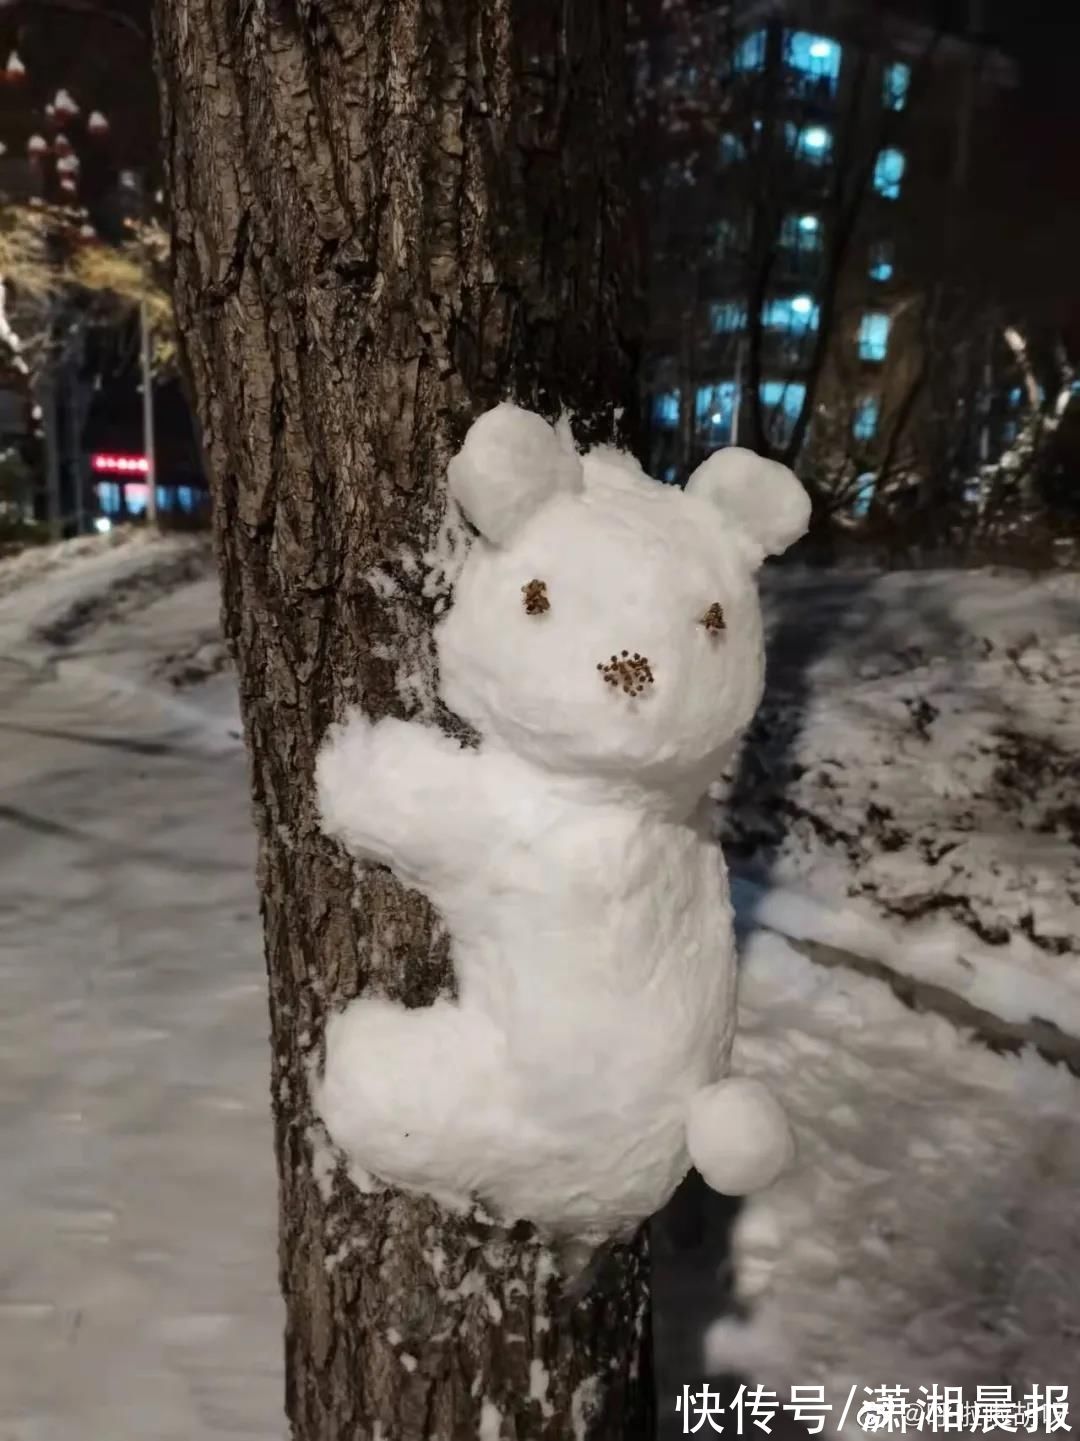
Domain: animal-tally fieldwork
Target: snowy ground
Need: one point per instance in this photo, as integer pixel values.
(908, 794)
(917, 760)
(913, 807)
(138, 1296)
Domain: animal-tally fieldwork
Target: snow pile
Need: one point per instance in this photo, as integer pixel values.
(156, 568)
(605, 642)
(927, 1232)
(917, 759)
(82, 582)
(33, 562)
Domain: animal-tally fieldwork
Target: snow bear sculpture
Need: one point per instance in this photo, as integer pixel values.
(605, 639)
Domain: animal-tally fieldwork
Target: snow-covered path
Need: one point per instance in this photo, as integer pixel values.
(138, 1293)
(928, 1234)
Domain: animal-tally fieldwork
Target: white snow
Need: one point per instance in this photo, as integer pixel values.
(588, 907)
(738, 1136)
(758, 496)
(490, 1421)
(583, 1406)
(539, 1379)
(911, 791)
(926, 1232)
(138, 1290)
(925, 1235)
(1015, 987)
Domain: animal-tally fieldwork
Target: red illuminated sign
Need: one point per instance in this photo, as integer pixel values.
(120, 464)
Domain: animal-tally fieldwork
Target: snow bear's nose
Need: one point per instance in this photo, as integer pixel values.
(632, 673)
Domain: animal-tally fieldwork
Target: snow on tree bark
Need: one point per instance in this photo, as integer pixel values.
(387, 217)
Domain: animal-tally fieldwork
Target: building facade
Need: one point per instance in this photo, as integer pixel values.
(800, 220)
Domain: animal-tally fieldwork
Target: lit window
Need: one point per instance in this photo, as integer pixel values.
(726, 316)
(888, 173)
(715, 410)
(881, 260)
(874, 336)
(185, 498)
(802, 234)
(812, 143)
(750, 53)
(666, 409)
(784, 400)
(814, 55)
(896, 84)
(109, 496)
(671, 475)
(796, 313)
(732, 150)
(865, 422)
(866, 484)
(1016, 395)
(135, 497)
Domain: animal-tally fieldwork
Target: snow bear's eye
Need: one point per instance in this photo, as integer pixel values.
(536, 597)
(713, 619)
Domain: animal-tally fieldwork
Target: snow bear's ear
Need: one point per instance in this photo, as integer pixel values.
(762, 497)
(511, 463)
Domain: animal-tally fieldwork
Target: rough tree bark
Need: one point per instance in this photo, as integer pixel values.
(386, 217)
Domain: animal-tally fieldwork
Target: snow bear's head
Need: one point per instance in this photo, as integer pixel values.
(604, 623)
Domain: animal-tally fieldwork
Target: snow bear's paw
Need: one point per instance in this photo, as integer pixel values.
(342, 770)
(738, 1136)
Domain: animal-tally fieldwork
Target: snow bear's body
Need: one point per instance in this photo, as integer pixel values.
(605, 640)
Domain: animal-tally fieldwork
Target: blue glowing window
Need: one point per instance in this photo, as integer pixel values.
(784, 400)
(801, 233)
(889, 172)
(865, 422)
(865, 493)
(750, 53)
(715, 409)
(109, 497)
(794, 313)
(814, 55)
(874, 335)
(812, 143)
(896, 83)
(881, 260)
(666, 409)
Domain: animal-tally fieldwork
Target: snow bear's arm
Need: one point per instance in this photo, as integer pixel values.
(402, 794)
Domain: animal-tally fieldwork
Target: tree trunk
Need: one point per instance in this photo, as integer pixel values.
(386, 217)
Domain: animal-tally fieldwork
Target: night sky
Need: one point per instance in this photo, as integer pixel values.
(107, 64)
